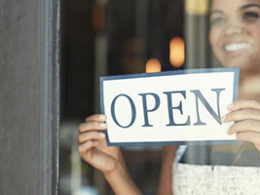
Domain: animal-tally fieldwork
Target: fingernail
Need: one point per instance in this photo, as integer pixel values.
(103, 125)
(223, 118)
(101, 135)
(229, 107)
(102, 117)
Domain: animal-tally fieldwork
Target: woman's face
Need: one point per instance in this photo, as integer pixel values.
(235, 32)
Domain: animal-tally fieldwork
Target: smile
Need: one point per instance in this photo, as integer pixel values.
(236, 47)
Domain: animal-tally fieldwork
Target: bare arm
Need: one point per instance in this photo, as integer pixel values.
(165, 181)
(121, 182)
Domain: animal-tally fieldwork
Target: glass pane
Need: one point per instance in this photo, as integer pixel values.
(118, 37)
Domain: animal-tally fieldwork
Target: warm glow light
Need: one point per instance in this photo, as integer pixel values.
(98, 17)
(198, 7)
(153, 65)
(177, 52)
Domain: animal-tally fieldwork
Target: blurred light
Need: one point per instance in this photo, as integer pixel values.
(153, 65)
(177, 52)
(98, 17)
(197, 7)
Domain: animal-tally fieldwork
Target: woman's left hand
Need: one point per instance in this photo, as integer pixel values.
(246, 114)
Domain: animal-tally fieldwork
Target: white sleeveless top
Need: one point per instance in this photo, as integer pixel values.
(215, 180)
(194, 179)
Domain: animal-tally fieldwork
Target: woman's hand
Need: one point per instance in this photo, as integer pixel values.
(246, 114)
(93, 147)
(94, 150)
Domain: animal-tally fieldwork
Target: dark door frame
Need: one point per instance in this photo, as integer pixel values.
(29, 96)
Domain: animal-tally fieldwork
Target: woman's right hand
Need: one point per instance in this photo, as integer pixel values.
(94, 150)
(93, 147)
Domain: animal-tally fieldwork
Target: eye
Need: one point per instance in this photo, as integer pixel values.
(250, 16)
(217, 20)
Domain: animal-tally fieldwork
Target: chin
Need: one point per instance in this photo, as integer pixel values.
(241, 63)
(244, 67)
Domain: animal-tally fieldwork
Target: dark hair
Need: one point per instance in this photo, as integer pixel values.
(210, 4)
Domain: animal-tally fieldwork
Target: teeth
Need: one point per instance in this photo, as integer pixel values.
(236, 47)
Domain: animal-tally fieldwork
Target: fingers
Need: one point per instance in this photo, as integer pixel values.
(100, 160)
(246, 125)
(97, 118)
(85, 147)
(240, 104)
(95, 122)
(91, 132)
(243, 114)
(246, 118)
(92, 126)
(243, 110)
(93, 135)
(247, 130)
(248, 136)
(246, 114)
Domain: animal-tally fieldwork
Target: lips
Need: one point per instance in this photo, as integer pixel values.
(236, 47)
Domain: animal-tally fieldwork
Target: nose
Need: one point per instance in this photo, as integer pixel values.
(233, 28)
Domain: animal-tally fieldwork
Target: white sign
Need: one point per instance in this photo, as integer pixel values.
(171, 107)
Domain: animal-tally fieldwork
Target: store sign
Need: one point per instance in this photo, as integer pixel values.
(171, 107)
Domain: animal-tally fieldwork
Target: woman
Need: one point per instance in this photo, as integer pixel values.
(235, 39)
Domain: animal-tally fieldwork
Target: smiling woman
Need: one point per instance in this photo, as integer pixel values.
(234, 37)
(234, 33)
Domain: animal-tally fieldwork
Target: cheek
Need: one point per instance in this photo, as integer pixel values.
(213, 39)
(254, 32)
(254, 37)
